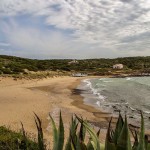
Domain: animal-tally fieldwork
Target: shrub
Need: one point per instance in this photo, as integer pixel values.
(6, 71)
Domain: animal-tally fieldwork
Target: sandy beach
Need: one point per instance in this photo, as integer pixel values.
(19, 99)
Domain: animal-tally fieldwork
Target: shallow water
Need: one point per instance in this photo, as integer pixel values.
(129, 95)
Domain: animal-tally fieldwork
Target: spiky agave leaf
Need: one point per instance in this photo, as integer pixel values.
(82, 132)
(118, 128)
(83, 146)
(98, 133)
(124, 142)
(73, 144)
(80, 145)
(77, 140)
(23, 131)
(40, 132)
(146, 142)
(68, 145)
(148, 146)
(60, 140)
(77, 145)
(72, 135)
(55, 133)
(95, 140)
(141, 145)
(109, 144)
(25, 141)
(58, 134)
(89, 145)
(136, 142)
(81, 135)
(102, 147)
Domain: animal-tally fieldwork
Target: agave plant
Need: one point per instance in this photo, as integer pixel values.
(120, 138)
(76, 139)
(58, 134)
(41, 143)
(116, 139)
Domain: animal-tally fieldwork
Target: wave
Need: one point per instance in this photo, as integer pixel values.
(94, 91)
(124, 94)
(88, 83)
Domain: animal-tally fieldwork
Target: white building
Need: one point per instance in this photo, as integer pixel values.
(79, 75)
(118, 66)
(73, 62)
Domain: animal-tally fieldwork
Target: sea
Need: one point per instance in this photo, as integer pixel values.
(128, 95)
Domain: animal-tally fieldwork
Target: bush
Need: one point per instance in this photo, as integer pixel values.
(6, 71)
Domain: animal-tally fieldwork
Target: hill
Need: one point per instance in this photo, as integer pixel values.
(17, 65)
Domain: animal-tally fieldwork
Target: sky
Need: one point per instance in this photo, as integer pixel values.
(76, 29)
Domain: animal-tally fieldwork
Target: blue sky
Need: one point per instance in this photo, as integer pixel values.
(46, 29)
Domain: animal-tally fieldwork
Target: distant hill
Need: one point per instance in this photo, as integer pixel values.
(17, 65)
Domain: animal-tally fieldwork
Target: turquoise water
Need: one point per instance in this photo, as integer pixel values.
(128, 95)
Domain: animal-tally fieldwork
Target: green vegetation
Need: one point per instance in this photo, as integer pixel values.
(10, 140)
(81, 137)
(15, 65)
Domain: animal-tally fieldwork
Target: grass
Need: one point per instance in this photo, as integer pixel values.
(10, 140)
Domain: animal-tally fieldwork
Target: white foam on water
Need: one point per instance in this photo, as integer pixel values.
(116, 103)
(124, 86)
(102, 79)
(108, 81)
(94, 91)
(88, 83)
(146, 112)
(126, 103)
(133, 109)
(128, 78)
(105, 80)
(98, 103)
(101, 97)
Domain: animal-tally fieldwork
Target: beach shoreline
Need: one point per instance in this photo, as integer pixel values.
(19, 99)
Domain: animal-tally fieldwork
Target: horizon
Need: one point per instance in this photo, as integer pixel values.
(73, 58)
(72, 29)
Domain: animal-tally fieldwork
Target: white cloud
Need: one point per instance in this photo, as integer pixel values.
(105, 23)
(34, 43)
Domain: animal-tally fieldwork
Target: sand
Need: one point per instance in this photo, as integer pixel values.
(19, 99)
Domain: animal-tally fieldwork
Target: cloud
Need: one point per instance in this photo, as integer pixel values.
(32, 42)
(111, 26)
(4, 44)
